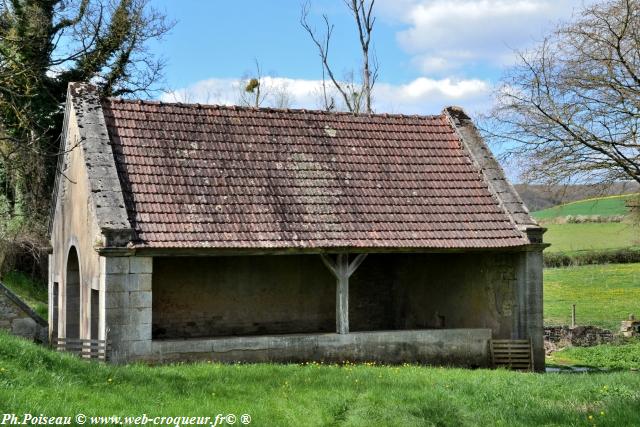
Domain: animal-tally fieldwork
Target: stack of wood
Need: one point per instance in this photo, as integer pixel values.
(631, 327)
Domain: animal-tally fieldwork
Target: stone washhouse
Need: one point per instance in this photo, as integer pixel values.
(185, 232)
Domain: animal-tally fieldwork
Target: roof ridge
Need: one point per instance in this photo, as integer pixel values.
(268, 109)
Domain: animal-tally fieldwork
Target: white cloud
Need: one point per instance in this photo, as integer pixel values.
(443, 35)
(227, 91)
(434, 64)
(420, 96)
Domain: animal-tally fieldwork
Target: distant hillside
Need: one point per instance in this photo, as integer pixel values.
(603, 206)
(591, 225)
(538, 197)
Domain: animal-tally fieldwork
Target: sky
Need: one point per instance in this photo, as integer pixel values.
(431, 53)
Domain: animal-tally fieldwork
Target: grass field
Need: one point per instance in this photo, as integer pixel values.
(591, 236)
(604, 294)
(606, 356)
(35, 380)
(605, 206)
(34, 294)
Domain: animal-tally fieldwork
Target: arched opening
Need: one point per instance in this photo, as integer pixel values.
(72, 306)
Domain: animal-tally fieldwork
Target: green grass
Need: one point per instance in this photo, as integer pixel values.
(604, 206)
(591, 236)
(607, 356)
(31, 292)
(604, 294)
(36, 380)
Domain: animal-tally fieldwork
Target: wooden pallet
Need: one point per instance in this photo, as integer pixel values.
(87, 349)
(512, 354)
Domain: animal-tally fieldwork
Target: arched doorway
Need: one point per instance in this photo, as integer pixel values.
(72, 306)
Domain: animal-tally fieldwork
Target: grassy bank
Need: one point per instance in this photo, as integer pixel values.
(32, 293)
(604, 294)
(36, 380)
(605, 356)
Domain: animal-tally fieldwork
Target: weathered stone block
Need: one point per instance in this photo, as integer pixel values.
(140, 315)
(140, 348)
(115, 335)
(140, 299)
(141, 265)
(136, 332)
(117, 283)
(117, 299)
(140, 282)
(117, 265)
(25, 327)
(117, 316)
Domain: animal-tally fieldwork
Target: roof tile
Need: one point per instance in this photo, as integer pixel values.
(228, 177)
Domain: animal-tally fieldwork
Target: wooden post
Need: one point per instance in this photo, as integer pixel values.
(573, 316)
(342, 294)
(342, 271)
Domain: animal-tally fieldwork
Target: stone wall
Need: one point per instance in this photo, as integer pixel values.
(580, 336)
(127, 284)
(231, 296)
(88, 213)
(434, 291)
(19, 319)
(224, 296)
(74, 228)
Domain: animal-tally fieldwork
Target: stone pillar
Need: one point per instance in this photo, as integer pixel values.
(127, 289)
(528, 317)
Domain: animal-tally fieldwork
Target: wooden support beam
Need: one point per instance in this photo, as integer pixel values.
(356, 263)
(329, 263)
(342, 294)
(342, 270)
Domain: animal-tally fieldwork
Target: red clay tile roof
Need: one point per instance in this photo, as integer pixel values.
(229, 177)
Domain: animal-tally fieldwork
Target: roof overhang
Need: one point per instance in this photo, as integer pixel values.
(194, 252)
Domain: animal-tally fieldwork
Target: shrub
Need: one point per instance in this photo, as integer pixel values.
(614, 256)
(581, 219)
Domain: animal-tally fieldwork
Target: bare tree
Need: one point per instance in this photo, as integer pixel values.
(251, 88)
(571, 109)
(281, 96)
(357, 96)
(256, 90)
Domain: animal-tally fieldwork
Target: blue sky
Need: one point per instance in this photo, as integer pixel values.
(432, 53)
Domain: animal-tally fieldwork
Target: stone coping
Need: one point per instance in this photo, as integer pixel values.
(23, 306)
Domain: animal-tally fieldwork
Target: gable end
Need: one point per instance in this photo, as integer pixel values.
(493, 174)
(106, 191)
